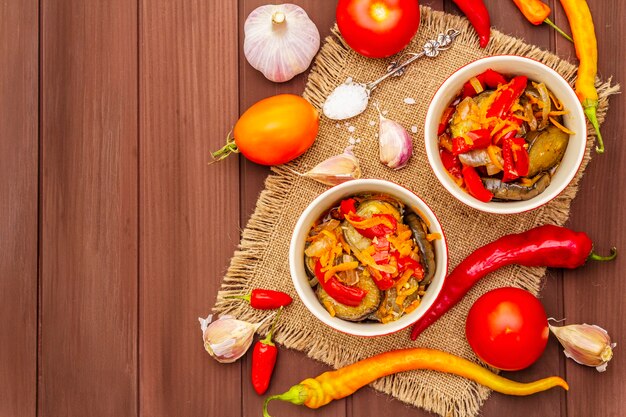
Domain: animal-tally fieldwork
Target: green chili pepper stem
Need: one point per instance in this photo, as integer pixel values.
(245, 297)
(558, 29)
(595, 257)
(296, 395)
(590, 107)
(270, 334)
(229, 148)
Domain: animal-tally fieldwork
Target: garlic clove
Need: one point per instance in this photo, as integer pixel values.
(395, 143)
(280, 41)
(228, 339)
(586, 344)
(336, 169)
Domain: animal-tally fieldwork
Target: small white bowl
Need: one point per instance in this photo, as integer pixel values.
(536, 71)
(327, 200)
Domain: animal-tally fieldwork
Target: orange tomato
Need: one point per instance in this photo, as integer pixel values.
(277, 129)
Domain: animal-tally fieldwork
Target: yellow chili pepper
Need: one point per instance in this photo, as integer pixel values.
(537, 13)
(333, 385)
(581, 22)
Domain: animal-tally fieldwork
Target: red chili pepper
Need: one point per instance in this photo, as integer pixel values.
(350, 296)
(265, 299)
(489, 78)
(347, 206)
(445, 120)
(380, 229)
(478, 16)
(263, 360)
(507, 96)
(549, 246)
(475, 186)
(451, 163)
(480, 138)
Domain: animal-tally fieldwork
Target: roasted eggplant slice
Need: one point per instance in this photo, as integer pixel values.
(369, 304)
(427, 252)
(516, 192)
(546, 150)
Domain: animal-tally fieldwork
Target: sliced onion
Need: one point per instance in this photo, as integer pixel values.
(544, 96)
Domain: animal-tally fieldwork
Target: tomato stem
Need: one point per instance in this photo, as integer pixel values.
(225, 151)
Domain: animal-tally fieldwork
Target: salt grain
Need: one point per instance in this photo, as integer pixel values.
(358, 141)
(385, 112)
(351, 129)
(351, 140)
(337, 125)
(409, 100)
(372, 123)
(414, 129)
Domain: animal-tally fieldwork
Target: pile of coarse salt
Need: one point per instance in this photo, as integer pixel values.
(347, 100)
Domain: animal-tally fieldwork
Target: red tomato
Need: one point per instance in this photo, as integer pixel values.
(507, 328)
(378, 28)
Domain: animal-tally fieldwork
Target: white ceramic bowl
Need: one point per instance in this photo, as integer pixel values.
(327, 200)
(510, 65)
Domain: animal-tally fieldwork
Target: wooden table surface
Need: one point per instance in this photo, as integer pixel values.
(114, 232)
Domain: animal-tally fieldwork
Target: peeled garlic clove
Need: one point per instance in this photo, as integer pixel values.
(227, 339)
(336, 169)
(395, 143)
(280, 41)
(587, 344)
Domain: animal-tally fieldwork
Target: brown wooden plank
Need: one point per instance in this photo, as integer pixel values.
(292, 366)
(594, 294)
(19, 119)
(89, 208)
(189, 211)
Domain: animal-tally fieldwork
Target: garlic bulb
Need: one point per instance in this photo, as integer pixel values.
(587, 344)
(280, 41)
(395, 143)
(336, 169)
(228, 339)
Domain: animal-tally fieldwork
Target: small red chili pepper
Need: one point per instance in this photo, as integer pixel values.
(380, 229)
(480, 139)
(263, 360)
(350, 296)
(445, 120)
(265, 299)
(451, 163)
(475, 186)
(478, 16)
(489, 78)
(550, 246)
(507, 96)
(347, 206)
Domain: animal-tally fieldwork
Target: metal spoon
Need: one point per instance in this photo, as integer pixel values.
(359, 93)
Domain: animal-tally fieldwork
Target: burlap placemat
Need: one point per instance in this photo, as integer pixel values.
(262, 258)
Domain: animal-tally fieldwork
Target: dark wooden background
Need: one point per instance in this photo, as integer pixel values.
(114, 232)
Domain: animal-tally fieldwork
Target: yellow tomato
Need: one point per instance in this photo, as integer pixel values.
(277, 129)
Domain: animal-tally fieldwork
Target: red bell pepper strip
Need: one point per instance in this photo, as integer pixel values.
(516, 159)
(408, 263)
(507, 96)
(549, 246)
(478, 16)
(264, 357)
(475, 186)
(480, 138)
(265, 299)
(350, 296)
(451, 163)
(489, 78)
(383, 280)
(380, 229)
(445, 120)
(347, 206)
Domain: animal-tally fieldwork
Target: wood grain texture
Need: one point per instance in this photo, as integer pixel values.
(19, 154)
(595, 294)
(88, 356)
(189, 210)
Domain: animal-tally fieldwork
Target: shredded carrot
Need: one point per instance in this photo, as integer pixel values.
(412, 306)
(433, 236)
(404, 278)
(560, 126)
(556, 101)
(493, 152)
(368, 223)
(346, 266)
(329, 307)
(558, 113)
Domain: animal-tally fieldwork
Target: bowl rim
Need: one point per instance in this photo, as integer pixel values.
(501, 207)
(317, 312)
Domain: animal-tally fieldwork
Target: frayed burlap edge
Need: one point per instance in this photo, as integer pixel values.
(254, 243)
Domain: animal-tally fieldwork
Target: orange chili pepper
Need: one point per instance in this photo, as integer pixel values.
(537, 13)
(581, 22)
(333, 385)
